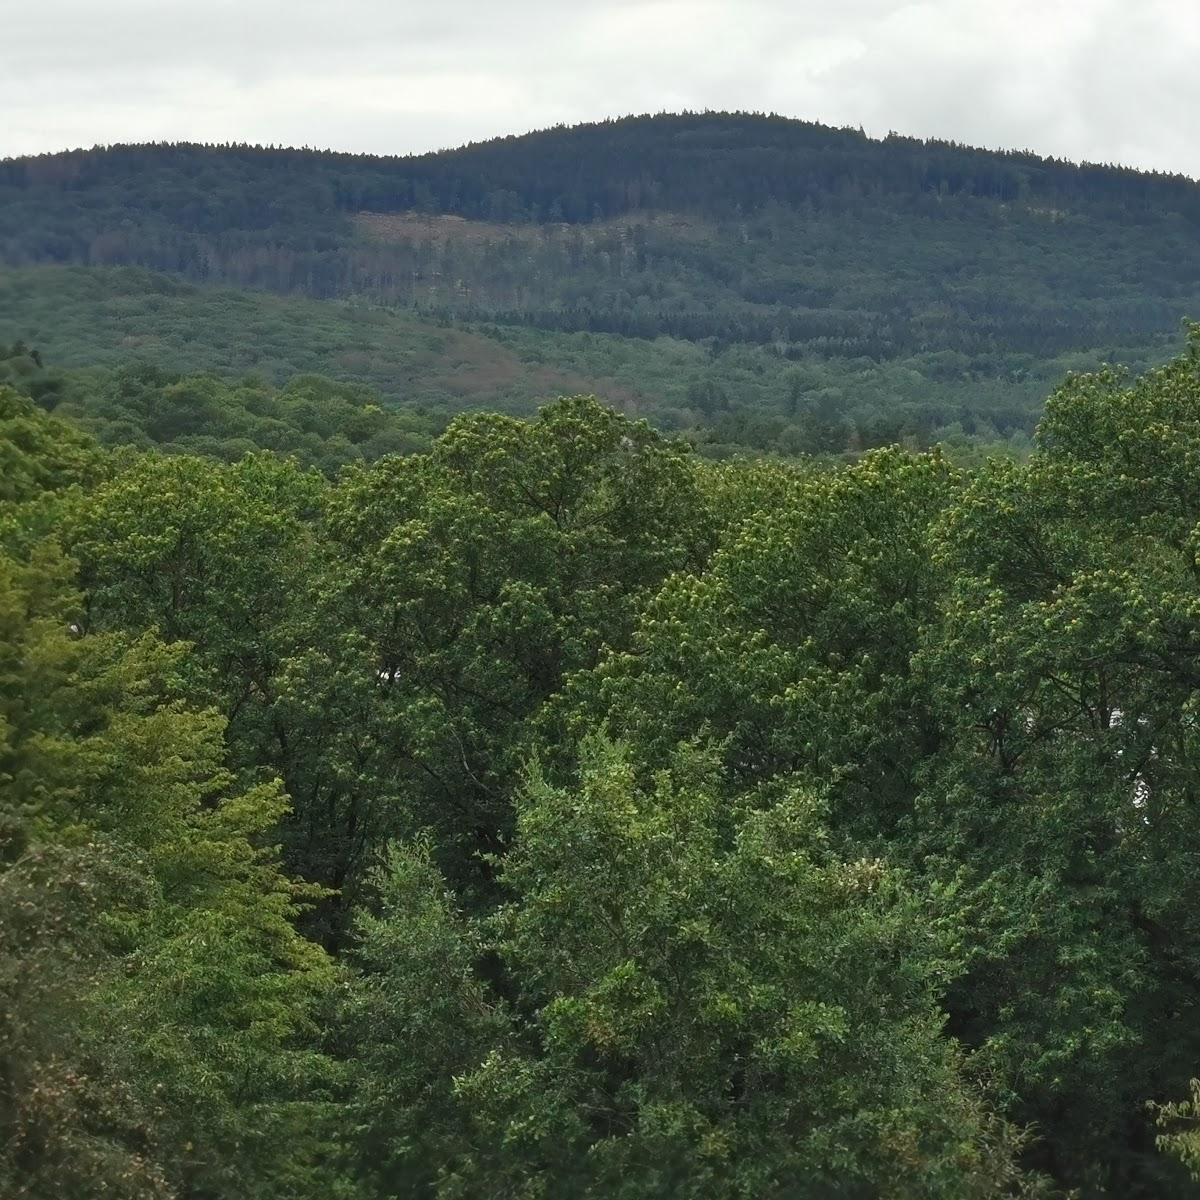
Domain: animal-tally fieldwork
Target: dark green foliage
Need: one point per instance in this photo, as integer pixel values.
(1066, 664)
(708, 1004)
(322, 423)
(789, 199)
(552, 812)
(314, 419)
(483, 574)
(23, 368)
(867, 291)
(440, 598)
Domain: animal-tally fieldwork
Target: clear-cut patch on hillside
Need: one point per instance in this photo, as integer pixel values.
(449, 227)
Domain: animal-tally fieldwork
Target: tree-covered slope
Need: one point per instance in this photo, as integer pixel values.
(93, 320)
(740, 227)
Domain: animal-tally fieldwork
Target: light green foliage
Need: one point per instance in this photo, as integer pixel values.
(39, 454)
(706, 1002)
(706, 980)
(156, 997)
(214, 555)
(1182, 1124)
(230, 559)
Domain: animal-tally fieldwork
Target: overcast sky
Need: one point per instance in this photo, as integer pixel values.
(1105, 80)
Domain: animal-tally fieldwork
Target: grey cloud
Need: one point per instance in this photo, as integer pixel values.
(1108, 80)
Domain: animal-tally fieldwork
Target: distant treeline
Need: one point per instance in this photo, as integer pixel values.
(823, 241)
(721, 164)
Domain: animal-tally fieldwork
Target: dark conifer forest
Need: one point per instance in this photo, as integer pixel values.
(749, 281)
(651, 661)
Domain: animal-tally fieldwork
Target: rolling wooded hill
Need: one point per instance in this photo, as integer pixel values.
(960, 274)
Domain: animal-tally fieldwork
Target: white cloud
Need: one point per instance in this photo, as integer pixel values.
(1108, 80)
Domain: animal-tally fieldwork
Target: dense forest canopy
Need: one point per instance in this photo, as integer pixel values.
(774, 778)
(553, 812)
(715, 163)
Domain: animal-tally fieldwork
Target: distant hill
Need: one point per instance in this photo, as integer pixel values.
(740, 397)
(971, 268)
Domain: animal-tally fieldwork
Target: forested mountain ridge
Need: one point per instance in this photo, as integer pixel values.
(717, 164)
(824, 241)
(754, 281)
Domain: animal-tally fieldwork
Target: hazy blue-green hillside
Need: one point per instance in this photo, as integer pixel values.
(788, 283)
(738, 395)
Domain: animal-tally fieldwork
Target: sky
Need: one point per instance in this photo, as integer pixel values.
(1097, 80)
